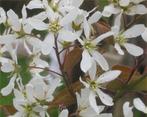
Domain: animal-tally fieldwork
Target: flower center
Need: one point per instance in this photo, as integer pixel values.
(54, 26)
(120, 39)
(89, 46)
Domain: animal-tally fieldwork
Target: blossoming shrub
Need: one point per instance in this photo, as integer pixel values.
(53, 63)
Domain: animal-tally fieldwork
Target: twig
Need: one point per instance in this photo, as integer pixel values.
(46, 69)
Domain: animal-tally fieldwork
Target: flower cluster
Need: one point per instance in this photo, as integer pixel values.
(66, 26)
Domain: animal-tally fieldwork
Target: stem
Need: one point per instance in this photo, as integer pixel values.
(46, 70)
(62, 71)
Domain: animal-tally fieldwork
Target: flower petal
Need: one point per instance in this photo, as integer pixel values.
(67, 36)
(139, 105)
(144, 35)
(108, 76)
(64, 113)
(133, 49)
(95, 17)
(118, 49)
(134, 31)
(8, 89)
(100, 60)
(93, 103)
(47, 44)
(86, 62)
(127, 110)
(106, 99)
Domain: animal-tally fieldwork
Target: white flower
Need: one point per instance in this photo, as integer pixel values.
(129, 7)
(120, 38)
(127, 110)
(3, 17)
(144, 35)
(10, 66)
(64, 113)
(84, 108)
(139, 105)
(32, 99)
(95, 84)
(90, 52)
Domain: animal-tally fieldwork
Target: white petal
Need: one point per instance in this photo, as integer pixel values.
(100, 60)
(8, 89)
(48, 44)
(139, 105)
(33, 4)
(117, 22)
(37, 24)
(124, 3)
(108, 76)
(7, 67)
(39, 91)
(109, 10)
(30, 93)
(64, 113)
(134, 31)
(118, 49)
(92, 71)
(102, 37)
(144, 35)
(77, 3)
(127, 110)
(137, 9)
(69, 17)
(86, 61)
(106, 99)
(13, 20)
(86, 28)
(95, 17)
(67, 36)
(2, 16)
(133, 49)
(84, 83)
(92, 101)
(24, 12)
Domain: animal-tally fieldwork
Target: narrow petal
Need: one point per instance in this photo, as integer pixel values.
(47, 44)
(134, 31)
(37, 24)
(127, 110)
(124, 3)
(67, 36)
(92, 71)
(93, 103)
(118, 49)
(77, 3)
(102, 37)
(95, 17)
(34, 4)
(24, 12)
(13, 20)
(64, 113)
(139, 105)
(133, 49)
(69, 17)
(8, 89)
(109, 10)
(144, 35)
(84, 83)
(137, 9)
(106, 99)
(86, 61)
(100, 60)
(7, 67)
(108, 76)
(86, 28)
